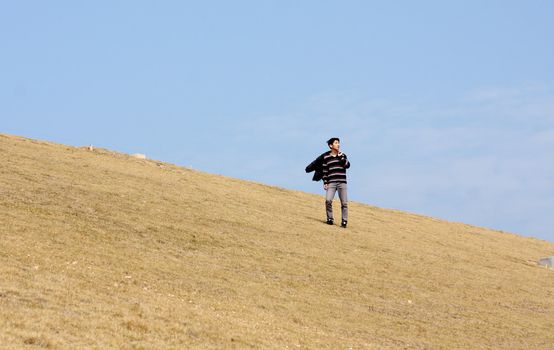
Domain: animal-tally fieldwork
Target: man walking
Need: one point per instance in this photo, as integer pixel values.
(334, 165)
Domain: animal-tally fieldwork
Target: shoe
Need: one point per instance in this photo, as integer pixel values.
(330, 222)
(343, 224)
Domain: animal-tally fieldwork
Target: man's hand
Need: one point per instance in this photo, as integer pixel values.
(325, 186)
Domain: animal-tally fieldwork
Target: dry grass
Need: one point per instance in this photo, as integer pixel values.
(101, 250)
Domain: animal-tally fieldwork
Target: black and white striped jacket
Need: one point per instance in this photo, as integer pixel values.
(334, 168)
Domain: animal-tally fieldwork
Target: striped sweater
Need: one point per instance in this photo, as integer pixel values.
(334, 168)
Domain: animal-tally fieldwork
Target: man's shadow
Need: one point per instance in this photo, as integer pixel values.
(311, 218)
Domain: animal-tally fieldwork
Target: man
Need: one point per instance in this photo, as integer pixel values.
(331, 167)
(334, 167)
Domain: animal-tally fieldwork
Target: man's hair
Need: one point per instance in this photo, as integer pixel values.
(331, 140)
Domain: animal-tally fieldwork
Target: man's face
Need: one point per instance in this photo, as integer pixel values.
(335, 145)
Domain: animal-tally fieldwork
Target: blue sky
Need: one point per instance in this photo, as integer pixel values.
(445, 108)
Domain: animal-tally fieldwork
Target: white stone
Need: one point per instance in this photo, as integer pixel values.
(138, 155)
(548, 261)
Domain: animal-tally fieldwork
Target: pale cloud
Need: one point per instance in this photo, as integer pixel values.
(503, 93)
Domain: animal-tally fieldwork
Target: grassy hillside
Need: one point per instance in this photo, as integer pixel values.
(101, 250)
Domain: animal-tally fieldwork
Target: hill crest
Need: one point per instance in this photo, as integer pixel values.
(104, 250)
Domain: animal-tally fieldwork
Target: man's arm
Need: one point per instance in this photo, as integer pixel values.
(325, 169)
(345, 161)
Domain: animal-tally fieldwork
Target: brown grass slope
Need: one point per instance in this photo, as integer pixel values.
(101, 250)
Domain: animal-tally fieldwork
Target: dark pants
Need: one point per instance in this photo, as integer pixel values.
(343, 196)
